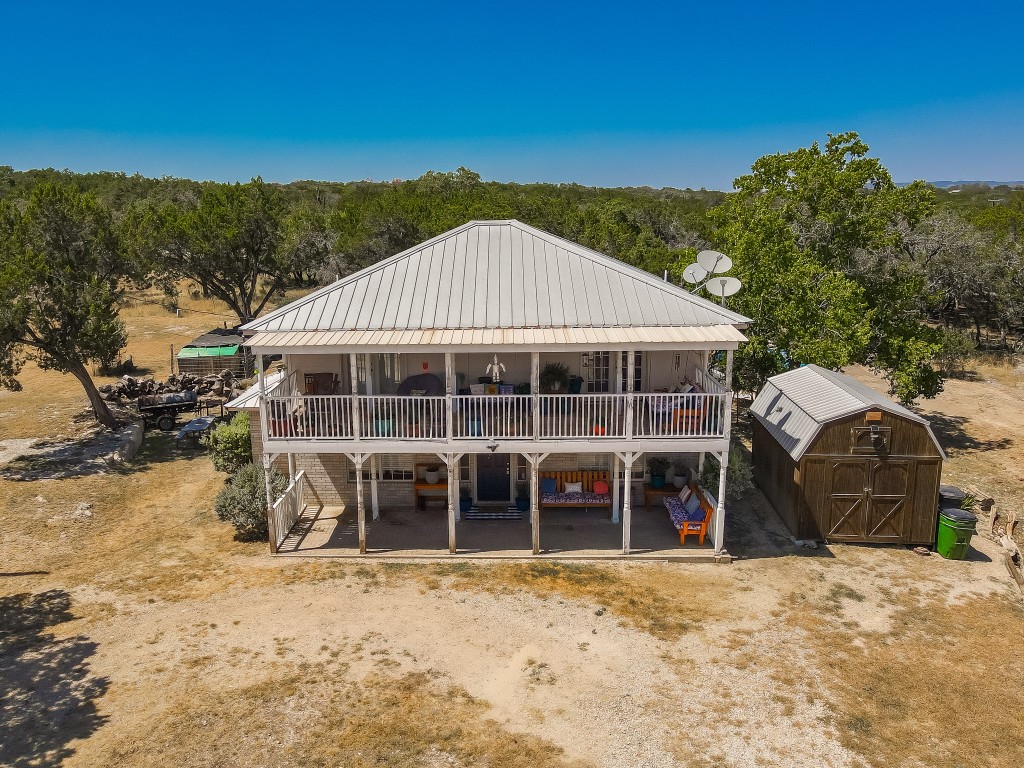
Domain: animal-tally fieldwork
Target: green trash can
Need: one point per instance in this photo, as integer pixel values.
(956, 526)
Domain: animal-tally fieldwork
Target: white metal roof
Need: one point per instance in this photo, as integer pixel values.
(794, 405)
(485, 339)
(250, 399)
(497, 276)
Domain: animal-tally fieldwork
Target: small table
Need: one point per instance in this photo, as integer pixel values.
(421, 498)
(196, 428)
(660, 493)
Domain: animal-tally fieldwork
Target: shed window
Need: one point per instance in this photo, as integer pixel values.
(870, 440)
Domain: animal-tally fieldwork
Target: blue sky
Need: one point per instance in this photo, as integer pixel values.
(600, 93)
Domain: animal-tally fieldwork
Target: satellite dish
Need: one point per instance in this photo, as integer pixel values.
(694, 273)
(714, 262)
(723, 286)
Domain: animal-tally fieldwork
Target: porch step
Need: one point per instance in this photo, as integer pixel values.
(511, 513)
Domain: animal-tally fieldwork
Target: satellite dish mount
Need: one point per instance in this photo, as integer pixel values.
(707, 274)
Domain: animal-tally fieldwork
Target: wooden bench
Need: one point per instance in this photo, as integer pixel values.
(684, 526)
(587, 479)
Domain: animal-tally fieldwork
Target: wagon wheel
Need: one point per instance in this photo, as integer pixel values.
(165, 422)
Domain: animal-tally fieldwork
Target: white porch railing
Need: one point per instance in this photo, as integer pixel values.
(492, 416)
(287, 509)
(288, 385)
(707, 382)
(505, 417)
(394, 417)
(575, 416)
(675, 415)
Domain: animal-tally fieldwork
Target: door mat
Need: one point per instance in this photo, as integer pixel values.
(511, 513)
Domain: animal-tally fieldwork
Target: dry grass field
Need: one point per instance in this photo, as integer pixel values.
(145, 635)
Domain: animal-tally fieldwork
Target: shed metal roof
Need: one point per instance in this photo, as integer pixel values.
(795, 405)
(494, 276)
(218, 337)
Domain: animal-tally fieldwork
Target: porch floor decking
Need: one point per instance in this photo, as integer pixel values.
(404, 532)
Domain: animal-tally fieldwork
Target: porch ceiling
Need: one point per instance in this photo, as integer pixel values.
(486, 339)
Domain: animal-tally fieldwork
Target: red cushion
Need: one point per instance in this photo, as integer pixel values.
(601, 487)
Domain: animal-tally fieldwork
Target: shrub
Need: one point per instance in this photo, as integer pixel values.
(956, 350)
(230, 444)
(739, 477)
(243, 501)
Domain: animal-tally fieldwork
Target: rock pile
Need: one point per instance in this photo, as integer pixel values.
(129, 388)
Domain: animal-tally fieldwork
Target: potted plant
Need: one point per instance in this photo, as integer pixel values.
(523, 496)
(554, 377)
(599, 427)
(465, 500)
(681, 476)
(656, 466)
(432, 474)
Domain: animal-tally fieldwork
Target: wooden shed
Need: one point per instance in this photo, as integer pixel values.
(841, 462)
(214, 351)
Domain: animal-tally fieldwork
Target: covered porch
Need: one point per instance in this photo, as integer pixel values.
(406, 532)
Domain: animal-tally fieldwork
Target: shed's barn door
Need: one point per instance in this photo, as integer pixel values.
(846, 501)
(887, 510)
(867, 500)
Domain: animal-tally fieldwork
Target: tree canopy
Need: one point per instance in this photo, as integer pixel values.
(61, 283)
(817, 236)
(230, 241)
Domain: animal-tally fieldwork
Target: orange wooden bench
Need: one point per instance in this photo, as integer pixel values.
(686, 527)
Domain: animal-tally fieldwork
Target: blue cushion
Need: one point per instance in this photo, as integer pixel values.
(692, 504)
(548, 485)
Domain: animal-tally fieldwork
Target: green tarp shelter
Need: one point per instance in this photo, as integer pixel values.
(192, 352)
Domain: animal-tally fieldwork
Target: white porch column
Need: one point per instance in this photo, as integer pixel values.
(630, 386)
(291, 468)
(453, 500)
(535, 500)
(262, 400)
(535, 392)
(354, 377)
(627, 502)
(449, 386)
(455, 480)
(728, 369)
(271, 528)
(357, 459)
(720, 509)
(616, 488)
(700, 464)
(374, 505)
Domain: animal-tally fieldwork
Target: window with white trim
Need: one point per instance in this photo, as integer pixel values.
(389, 468)
(597, 368)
